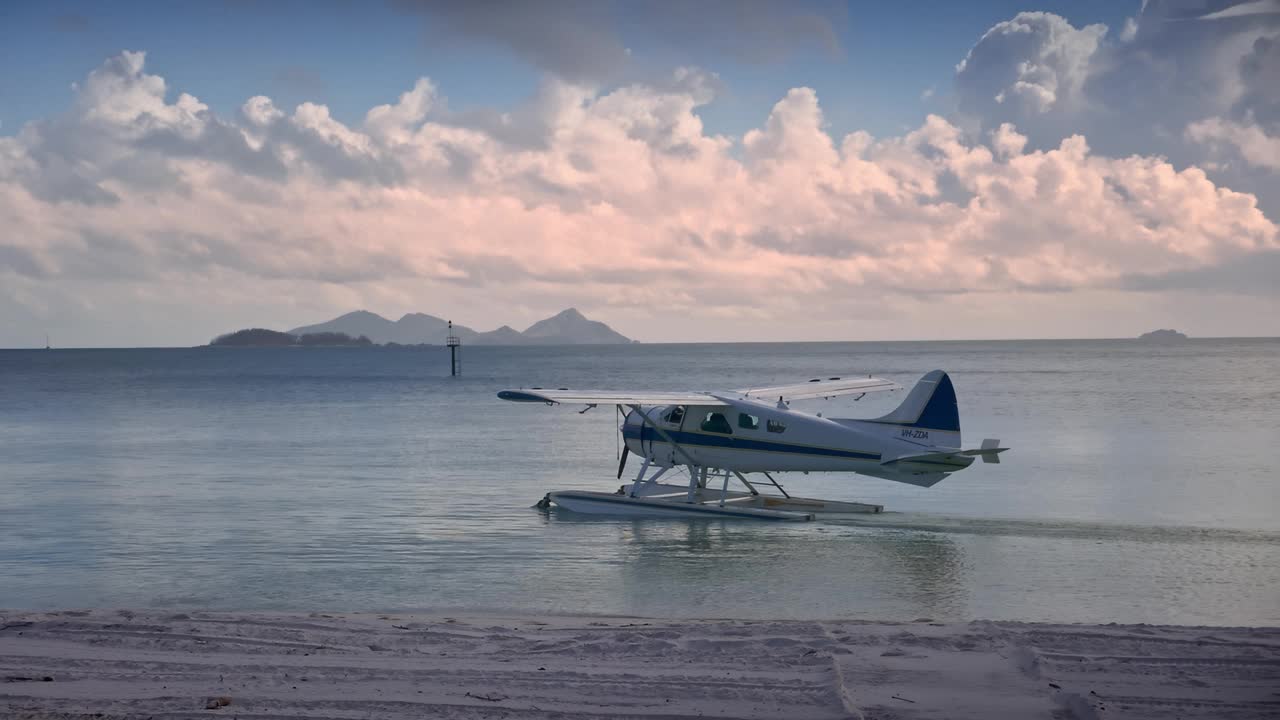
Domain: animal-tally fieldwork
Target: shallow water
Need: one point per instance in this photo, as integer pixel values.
(1140, 486)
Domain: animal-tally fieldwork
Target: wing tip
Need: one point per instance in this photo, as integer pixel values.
(523, 396)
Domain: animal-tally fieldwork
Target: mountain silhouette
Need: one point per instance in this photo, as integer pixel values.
(569, 327)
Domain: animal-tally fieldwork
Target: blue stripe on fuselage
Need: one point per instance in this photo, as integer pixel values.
(648, 434)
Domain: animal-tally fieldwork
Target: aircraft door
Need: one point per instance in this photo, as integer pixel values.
(671, 421)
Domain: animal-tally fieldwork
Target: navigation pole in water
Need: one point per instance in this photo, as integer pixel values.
(454, 342)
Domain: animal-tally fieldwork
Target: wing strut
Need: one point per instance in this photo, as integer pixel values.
(750, 487)
(775, 484)
(694, 468)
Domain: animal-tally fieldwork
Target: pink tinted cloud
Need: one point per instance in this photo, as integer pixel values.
(625, 200)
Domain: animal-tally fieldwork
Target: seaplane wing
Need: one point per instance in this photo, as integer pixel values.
(815, 388)
(822, 388)
(552, 396)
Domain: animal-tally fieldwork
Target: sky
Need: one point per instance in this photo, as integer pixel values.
(709, 171)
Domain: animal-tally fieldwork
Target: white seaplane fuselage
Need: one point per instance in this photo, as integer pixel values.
(751, 436)
(734, 434)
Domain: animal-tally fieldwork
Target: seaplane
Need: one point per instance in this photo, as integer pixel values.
(722, 437)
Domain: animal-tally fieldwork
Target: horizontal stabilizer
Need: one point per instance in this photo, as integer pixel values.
(953, 459)
(989, 450)
(935, 461)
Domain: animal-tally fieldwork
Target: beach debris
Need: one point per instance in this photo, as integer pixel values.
(24, 678)
(214, 703)
(488, 698)
(895, 697)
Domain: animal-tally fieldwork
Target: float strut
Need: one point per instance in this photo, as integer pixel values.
(775, 484)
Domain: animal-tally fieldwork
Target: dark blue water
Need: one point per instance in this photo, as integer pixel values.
(1140, 487)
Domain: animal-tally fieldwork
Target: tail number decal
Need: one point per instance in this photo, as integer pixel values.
(915, 434)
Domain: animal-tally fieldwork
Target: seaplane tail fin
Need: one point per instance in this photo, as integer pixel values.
(928, 417)
(931, 405)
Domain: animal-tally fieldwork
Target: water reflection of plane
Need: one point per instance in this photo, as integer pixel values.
(717, 568)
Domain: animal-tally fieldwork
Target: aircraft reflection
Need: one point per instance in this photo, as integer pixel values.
(718, 568)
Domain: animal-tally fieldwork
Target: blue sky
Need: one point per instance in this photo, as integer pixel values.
(352, 56)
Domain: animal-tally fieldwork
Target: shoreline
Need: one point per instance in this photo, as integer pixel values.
(161, 663)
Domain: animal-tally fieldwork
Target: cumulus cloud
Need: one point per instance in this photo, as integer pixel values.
(625, 205)
(1192, 80)
(1253, 145)
(1032, 63)
(1249, 131)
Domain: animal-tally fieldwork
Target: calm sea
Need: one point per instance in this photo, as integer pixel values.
(1141, 486)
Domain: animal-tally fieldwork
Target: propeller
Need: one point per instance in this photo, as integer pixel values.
(623, 462)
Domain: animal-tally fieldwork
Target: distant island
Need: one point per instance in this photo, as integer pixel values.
(260, 337)
(1162, 336)
(362, 327)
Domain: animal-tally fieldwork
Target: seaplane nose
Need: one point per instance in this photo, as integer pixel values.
(631, 426)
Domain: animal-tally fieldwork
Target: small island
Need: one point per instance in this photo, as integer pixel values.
(261, 337)
(361, 327)
(1162, 336)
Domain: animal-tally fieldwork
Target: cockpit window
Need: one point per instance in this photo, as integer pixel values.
(675, 415)
(748, 422)
(716, 423)
(775, 426)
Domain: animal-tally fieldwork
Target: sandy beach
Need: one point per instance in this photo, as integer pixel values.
(157, 664)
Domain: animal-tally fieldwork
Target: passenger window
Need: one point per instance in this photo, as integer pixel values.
(716, 423)
(775, 426)
(675, 415)
(748, 422)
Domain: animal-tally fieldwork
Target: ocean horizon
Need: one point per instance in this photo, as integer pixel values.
(1197, 338)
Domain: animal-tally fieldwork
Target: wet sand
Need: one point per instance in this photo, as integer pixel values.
(162, 664)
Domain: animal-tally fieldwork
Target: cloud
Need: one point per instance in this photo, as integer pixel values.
(1030, 64)
(754, 31)
(139, 196)
(1245, 9)
(1253, 145)
(579, 41)
(571, 38)
(1194, 81)
(1254, 274)
(1160, 73)
(1249, 131)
